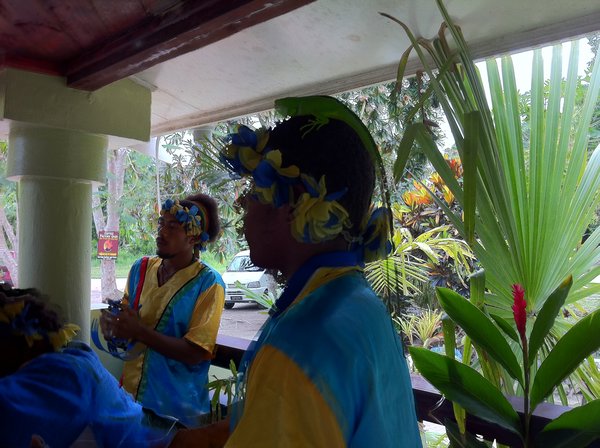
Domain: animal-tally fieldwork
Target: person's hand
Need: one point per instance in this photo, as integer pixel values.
(125, 325)
(37, 442)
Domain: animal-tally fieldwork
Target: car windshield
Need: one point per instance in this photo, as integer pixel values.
(242, 264)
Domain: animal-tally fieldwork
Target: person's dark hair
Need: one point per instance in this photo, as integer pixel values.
(39, 309)
(212, 210)
(333, 150)
(16, 349)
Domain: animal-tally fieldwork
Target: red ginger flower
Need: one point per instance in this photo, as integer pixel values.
(519, 309)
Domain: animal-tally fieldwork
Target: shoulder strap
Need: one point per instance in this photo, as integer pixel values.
(140, 285)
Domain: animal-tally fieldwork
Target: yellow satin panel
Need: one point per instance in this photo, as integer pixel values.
(204, 324)
(277, 390)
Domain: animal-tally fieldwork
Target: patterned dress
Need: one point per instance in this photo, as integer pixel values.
(188, 305)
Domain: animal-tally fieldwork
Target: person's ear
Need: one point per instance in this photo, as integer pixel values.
(193, 240)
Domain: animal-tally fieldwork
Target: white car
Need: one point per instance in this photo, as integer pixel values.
(242, 276)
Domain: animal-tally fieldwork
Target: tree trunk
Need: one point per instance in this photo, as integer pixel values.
(116, 175)
(8, 247)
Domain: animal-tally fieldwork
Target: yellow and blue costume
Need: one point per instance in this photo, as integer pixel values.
(188, 306)
(328, 368)
(305, 386)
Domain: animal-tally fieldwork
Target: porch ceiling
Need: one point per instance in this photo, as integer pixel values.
(208, 60)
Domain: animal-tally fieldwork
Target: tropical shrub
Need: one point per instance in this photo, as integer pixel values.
(526, 201)
(479, 396)
(403, 273)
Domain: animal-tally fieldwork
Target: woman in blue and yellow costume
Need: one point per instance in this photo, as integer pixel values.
(328, 368)
(51, 389)
(171, 314)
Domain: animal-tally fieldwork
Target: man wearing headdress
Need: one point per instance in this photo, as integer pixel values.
(328, 368)
(172, 308)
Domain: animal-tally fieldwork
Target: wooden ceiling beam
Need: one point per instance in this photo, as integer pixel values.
(192, 25)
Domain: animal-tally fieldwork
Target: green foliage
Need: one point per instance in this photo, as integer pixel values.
(384, 113)
(122, 264)
(408, 268)
(527, 210)
(219, 387)
(480, 329)
(462, 439)
(8, 189)
(425, 326)
(470, 390)
(536, 188)
(577, 427)
(570, 351)
(467, 387)
(530, 189)
(547, 316)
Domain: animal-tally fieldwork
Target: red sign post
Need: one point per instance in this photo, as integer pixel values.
(108, 244)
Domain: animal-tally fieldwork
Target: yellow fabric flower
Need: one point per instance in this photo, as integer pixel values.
(249, 158)
(316, 218)
(9, 311)
(60, 338)
(274, 158)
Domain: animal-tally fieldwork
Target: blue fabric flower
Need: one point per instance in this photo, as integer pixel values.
(244, 137)
(182, 216)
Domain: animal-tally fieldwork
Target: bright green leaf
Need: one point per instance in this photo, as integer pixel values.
(401, 68)
(505, 327)
(547, 316)
(469, 161)
(481, 330)
(577, 344)
(404, 149)
(463, 385)
(578, 427)
(477, 288)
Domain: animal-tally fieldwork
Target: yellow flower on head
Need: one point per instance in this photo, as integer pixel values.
(316, 217)
(262, 137)
(60, 338)
(249, 158)
(10, 310)
(274, 158)
(265, 195)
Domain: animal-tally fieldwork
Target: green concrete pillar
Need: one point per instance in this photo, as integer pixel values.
(55, 169)
(56, 150)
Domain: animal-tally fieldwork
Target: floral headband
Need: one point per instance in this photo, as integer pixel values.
(318, 216)
(194, 219)
(17, 319)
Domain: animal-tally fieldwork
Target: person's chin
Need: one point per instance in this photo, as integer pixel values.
(164, 255)
(261, 260)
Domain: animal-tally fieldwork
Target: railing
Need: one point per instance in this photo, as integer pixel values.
(430, 404)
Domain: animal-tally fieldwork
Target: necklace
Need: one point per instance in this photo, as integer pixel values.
(164, 274)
